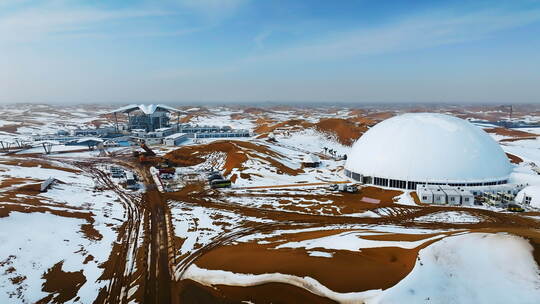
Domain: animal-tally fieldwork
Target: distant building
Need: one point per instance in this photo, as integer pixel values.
(100, 132)
(147, 117)
(175, 139)
(90, 142)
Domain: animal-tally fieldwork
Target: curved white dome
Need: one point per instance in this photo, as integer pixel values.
(427, 147)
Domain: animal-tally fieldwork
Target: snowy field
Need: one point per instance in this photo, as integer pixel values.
(53, 229)
(276, 208)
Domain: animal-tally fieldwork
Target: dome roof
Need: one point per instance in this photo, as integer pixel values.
(427, 147)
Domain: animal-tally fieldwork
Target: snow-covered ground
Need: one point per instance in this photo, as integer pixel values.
(454, 217)
(470, 268)
(51, 231)
(352, 241)
(465, 268)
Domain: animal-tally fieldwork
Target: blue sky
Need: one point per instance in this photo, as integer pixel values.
(285, 51)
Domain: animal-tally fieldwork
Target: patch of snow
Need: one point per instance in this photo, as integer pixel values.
(352, 241)
(320, 254)
(470, 268)
(406, 199)
(455, 217)
(220, 277)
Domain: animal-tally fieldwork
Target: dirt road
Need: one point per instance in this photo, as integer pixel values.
(158, 275)
(143, 256)
(143, 265)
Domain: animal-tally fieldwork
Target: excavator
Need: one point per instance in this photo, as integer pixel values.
(147, 156)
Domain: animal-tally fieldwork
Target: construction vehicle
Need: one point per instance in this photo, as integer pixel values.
(214, 176)
(147, 155)
(333, 187)
(117, 172)
(515, 208)
(131, 181)
(166, 170)
(216, 180)
(348, 188)
(166, 176)
(147, 150)
(220, 183)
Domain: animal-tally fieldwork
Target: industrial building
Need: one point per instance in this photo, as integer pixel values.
(175, 139)
(102, 132)
(223, 134)
(427, 149)
(146, 117)
(150, 124)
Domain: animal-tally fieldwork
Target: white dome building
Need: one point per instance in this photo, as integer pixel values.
(427, 148)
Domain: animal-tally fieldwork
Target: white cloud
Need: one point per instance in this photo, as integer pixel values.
(36, 23)
(424, 31)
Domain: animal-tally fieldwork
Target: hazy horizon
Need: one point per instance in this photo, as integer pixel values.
(281, 52)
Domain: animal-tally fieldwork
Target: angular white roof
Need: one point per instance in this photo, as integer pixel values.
(533, 192)
(428, 147)
(146, 109)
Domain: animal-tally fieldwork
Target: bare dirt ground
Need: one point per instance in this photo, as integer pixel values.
(155, 267)
(245, 227)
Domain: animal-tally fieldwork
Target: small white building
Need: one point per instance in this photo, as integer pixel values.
(425, 194)
(453, 197)
(138, 132)
(176, 139)
(529, 196)
(439, 196)
(153, 140)
(164, 132)
(110, 143)
(467, 198)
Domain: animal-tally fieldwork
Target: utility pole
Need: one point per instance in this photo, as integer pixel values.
(116, 121)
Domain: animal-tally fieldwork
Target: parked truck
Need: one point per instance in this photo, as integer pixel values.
(131, 181)
(220, 183)
(348, 188)
(216, 180)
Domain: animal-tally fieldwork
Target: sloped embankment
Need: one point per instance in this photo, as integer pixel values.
(345, 131)
(237, 153)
